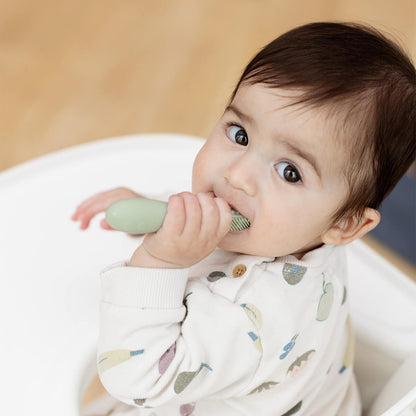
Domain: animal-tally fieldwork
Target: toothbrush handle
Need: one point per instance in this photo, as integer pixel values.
(136, 215)
(142, 216)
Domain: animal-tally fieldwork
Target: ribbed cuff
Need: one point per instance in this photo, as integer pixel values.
(144, 287)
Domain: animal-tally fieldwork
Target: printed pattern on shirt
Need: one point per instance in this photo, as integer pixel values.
(110, 359)
(312, 295)
(185, 378)
(254, 315)
(326, 300)
(293, 274)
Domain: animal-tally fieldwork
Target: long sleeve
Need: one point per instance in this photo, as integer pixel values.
(160, 344)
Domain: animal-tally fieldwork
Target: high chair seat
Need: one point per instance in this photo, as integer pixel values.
(50, 286)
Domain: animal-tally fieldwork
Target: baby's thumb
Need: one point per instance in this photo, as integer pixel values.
(104, 224)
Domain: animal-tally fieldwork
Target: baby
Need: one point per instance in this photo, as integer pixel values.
(205, 321)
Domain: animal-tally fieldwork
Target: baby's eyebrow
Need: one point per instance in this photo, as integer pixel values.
(309, 157)
(243, 116)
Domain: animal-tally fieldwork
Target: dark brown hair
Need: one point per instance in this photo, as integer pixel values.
(356, 69)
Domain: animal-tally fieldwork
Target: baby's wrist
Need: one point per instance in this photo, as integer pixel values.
(142, 258)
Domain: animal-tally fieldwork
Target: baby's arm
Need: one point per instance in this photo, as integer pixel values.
(154, 351)
(151, 346)
(193, 227)
(88, 209)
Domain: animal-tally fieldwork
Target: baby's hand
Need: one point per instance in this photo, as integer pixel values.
(99, 203)
(192, 229)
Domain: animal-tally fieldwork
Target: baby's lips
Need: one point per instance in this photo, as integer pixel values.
(216, 196)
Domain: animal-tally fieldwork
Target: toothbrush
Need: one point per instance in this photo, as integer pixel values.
(141, 216)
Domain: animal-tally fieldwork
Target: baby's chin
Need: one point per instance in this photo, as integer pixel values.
(231, 242)
(237, 242)
(240, 242)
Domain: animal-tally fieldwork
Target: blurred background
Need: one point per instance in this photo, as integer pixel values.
(74, 71)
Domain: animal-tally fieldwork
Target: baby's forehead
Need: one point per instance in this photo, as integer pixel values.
(331, 142)
(293, 112)
(338, 137)
(342, 122)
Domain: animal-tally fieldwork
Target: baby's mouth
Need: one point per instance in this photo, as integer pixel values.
(237, 216)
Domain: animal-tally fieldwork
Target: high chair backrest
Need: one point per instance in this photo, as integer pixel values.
(383, 312)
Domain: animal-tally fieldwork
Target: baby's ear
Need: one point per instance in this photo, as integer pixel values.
(350, 229)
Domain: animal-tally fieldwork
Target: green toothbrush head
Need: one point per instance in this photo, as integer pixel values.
(239, 222)
(141, 216)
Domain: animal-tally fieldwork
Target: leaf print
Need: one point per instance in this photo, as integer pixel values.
(293, 273)
(325, 302)
(253, 313)
(256, 341)
(214, 276)
(187, 409)
(288, 347)
(294, 409)
(184, 379)
(167, 358)
(349, 349)
(300, 362)
(344, 296)
(264, 386)
(109, 359)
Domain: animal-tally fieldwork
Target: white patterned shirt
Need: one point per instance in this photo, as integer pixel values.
(233, 335)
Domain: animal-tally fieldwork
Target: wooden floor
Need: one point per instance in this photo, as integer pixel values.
(73, 71)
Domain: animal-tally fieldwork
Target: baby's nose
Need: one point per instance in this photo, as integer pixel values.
(241, 175)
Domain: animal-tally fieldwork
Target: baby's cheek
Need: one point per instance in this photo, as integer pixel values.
(203, 180)
(199, 173)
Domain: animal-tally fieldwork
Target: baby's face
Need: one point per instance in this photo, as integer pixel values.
(282, 168)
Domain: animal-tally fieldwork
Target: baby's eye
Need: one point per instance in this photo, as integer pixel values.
(288, 172)
(238, 135)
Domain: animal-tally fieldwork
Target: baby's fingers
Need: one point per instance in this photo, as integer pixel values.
(87, 213)
(92, 206)
(105, 225)
(88, 209)
(175, 218)
(225, 219)
(216, 217)
(81, 208)
(210, 215)
(193, 214)
(95, 202)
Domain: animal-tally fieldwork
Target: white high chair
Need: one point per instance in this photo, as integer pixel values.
(50, 286)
